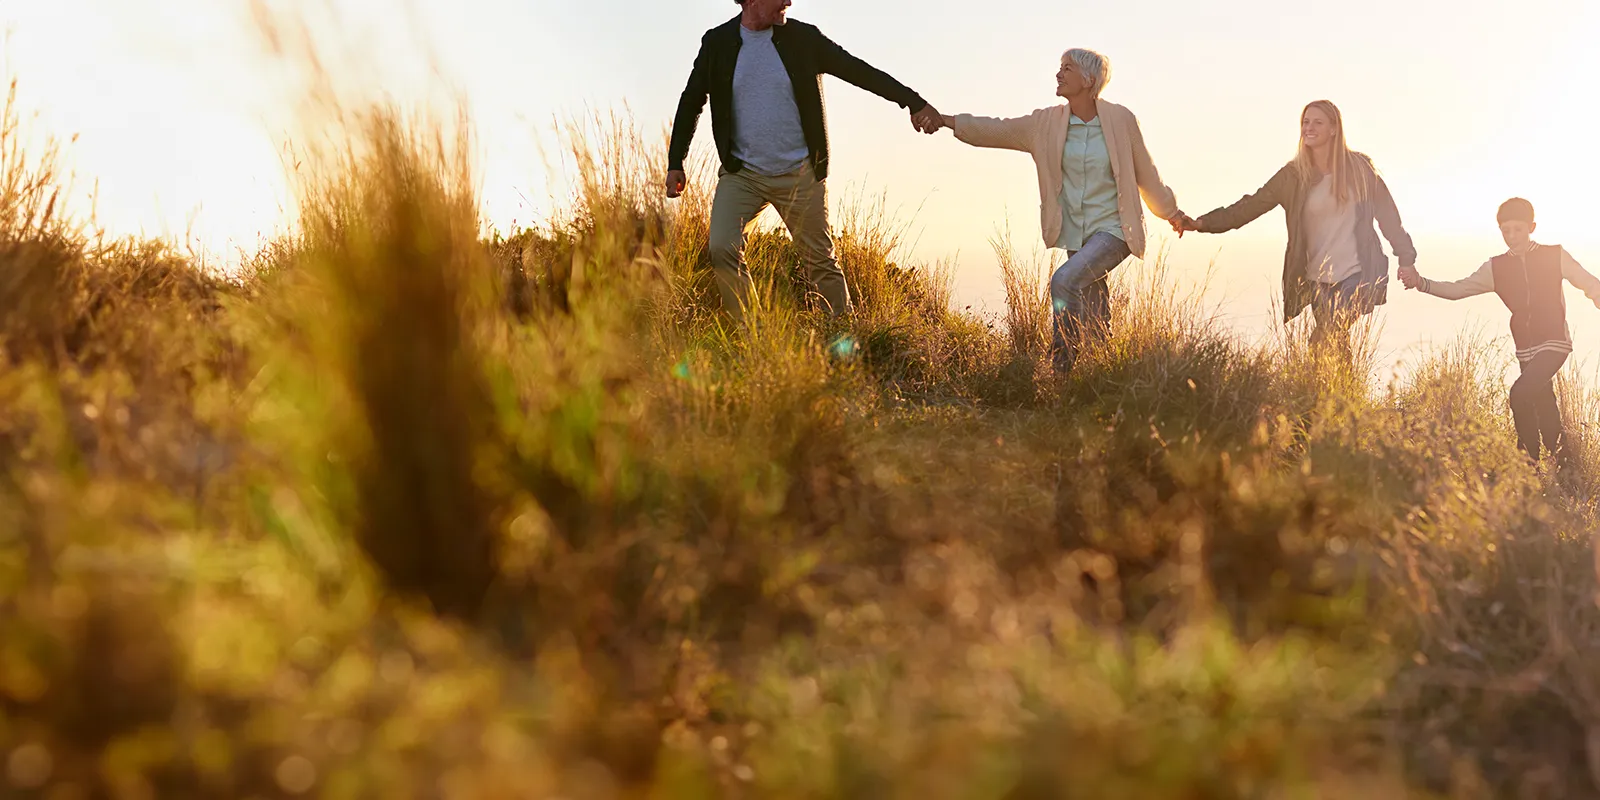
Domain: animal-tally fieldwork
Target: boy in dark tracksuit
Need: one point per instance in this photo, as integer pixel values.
(1528, 278)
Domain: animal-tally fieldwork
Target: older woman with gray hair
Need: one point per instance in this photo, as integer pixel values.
(1093, 170)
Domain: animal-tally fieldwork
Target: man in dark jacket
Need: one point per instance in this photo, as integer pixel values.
(763, 74)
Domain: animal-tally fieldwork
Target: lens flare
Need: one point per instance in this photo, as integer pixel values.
(845, 347)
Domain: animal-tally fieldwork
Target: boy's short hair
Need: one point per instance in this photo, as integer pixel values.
(1516, 209)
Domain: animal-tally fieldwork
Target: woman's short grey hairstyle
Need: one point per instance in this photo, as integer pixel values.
(1095, 67)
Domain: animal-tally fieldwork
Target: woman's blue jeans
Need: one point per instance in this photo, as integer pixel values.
(1080, 296)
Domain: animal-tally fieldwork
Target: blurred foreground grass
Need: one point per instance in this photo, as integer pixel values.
(402, 511)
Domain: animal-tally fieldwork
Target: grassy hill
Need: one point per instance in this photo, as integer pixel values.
(404, 512)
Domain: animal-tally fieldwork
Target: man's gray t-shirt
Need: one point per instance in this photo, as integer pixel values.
(767, 136)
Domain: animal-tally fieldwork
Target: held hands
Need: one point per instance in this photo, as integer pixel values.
(1182, 222)
(677, 180)
(927, 120)
(1410, 277)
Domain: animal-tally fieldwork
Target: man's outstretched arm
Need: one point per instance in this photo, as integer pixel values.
(839, 63)
(690, 104)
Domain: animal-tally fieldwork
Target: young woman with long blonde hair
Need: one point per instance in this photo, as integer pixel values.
(1331, 197)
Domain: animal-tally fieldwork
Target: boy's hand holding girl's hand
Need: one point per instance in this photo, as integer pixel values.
(1410, 277)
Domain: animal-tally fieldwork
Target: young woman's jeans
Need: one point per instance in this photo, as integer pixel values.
(1335, 306)
(1081, 297)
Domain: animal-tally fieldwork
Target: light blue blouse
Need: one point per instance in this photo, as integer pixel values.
(1088, 189)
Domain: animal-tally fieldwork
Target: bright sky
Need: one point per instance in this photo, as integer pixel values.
(178, 112)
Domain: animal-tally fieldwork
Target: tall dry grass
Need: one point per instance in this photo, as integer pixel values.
(412, 511)
(1027, 287)
(391, 235)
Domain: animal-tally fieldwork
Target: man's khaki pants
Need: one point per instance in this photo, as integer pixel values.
(802, 202)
